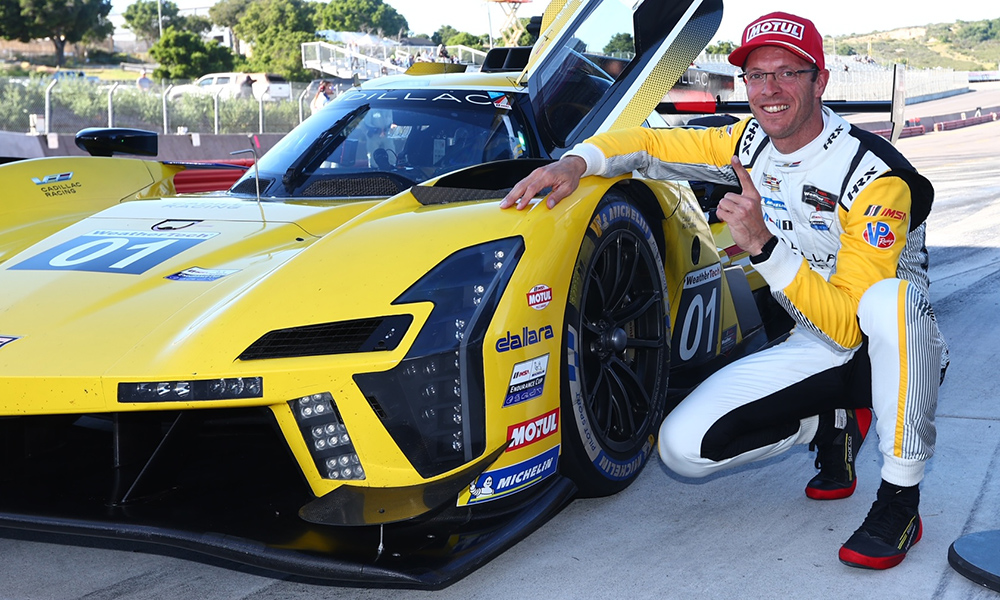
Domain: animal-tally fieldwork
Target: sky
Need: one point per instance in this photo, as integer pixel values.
(832, 17)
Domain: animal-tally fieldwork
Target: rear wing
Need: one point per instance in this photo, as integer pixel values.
(894, 106)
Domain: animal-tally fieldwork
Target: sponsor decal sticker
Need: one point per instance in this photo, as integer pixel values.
(778, 26)
(776, 204)
(56, 178)
(728, 340)
(696, 278)
(6, 339)
(539, 297)
(533, 430)
(876, 210)
(879, 235)
(820, 221)
(814, 196)
(509, 480)
(527, 380)
(500, 100)
(199, 274)
(526, 337)
(114, 251)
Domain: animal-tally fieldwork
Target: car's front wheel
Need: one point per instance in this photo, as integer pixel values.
(615, 350)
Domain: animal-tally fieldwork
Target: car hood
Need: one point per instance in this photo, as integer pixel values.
(98, 288)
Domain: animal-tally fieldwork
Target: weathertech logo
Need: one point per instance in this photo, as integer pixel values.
(539, 297)
(780, 26)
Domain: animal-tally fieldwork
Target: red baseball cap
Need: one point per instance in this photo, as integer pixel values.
(783, 30)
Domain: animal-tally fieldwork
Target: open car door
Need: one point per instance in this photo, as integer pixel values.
(605, 64)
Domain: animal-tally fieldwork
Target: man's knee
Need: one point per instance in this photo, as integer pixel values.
(677, 450)
(878, 310)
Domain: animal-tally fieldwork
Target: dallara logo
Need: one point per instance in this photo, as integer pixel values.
(56, 178)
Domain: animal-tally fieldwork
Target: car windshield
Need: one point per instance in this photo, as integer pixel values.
(380, 142)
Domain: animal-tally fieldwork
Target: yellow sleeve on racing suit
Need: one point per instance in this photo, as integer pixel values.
(874, 235)
(677, 153)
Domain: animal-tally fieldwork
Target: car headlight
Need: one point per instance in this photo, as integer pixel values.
(233, 388)
(433, 402)
(326, 436)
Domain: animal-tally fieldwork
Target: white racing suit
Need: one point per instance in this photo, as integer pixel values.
(849, 266)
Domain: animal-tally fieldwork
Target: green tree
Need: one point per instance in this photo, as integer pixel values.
(721, 48)
(184, 55)
(362, 15)
(267, 18)
(620, 44)
(465, 39)
(271, 55)
(62, 21)
(227, 13)
(443, 34)
(144, 20)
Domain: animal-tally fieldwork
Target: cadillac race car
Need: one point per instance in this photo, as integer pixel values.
(352, 366)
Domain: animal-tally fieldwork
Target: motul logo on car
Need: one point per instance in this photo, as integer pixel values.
(539, 297)
(529, 432)
(781, 26)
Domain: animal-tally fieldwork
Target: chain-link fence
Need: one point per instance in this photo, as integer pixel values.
(41, 105)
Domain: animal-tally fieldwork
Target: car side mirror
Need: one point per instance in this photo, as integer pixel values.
(107, 141)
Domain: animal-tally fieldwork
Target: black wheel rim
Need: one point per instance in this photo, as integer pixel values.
(623, 339)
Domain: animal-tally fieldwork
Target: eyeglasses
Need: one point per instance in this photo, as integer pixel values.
(759, 77)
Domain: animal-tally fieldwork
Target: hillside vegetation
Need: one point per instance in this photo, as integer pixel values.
(962, 45)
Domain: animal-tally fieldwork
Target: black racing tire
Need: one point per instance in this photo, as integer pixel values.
(616, 351)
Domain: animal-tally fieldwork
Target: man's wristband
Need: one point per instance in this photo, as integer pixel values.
(765, 250)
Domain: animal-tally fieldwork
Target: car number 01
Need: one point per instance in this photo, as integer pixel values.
(78, 255)
(699, 315)
(111, 251)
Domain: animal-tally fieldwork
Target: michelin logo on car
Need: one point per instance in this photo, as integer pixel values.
(508, 480)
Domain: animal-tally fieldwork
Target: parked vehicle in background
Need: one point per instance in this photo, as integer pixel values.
(266, 86)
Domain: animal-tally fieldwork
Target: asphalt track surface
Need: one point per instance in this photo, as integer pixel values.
(745, 533)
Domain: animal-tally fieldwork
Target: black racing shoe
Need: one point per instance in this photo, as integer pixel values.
(892, 526)
(836, 449)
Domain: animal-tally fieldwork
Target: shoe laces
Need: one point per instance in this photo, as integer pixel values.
(887, 520)
(829, 458)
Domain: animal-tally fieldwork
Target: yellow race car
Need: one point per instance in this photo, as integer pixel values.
(353, 366)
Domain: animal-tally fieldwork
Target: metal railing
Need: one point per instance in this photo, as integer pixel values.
(857, 80)
(39, 105)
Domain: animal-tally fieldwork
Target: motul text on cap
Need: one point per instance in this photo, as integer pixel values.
(784, 30)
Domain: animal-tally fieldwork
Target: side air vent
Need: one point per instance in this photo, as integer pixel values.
(343, 337)
(249, 187)
(382, 184)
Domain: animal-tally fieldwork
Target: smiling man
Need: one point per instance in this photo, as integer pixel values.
(834, 219)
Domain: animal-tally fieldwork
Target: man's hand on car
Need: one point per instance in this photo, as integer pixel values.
(563, 176)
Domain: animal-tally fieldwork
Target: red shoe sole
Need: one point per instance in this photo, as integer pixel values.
(855, 559)
(818, 494)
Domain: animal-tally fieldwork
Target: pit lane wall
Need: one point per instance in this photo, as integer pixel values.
(191, 146)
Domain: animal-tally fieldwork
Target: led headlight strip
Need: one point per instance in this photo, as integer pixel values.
(233, 388)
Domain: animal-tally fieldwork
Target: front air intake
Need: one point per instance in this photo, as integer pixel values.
(343, 337)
